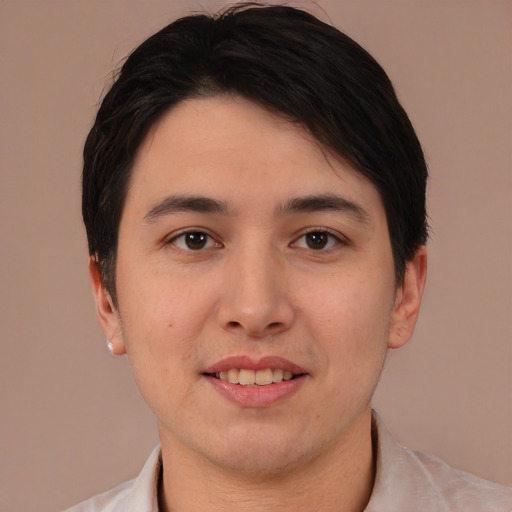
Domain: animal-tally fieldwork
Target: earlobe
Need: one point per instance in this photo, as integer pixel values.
(408, 300)
(108, 315)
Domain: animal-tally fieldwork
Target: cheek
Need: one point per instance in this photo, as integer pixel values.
(162, 320)
(159, 304)
(161, 328)
(352, 322)
(351, 306)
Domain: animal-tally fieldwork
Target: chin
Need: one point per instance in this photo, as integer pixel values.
(258, 462)
(261, 452)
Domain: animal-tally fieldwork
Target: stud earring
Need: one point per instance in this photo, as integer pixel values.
(110, 346)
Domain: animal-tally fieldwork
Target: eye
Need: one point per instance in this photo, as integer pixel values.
(194, 241)
(317, 240)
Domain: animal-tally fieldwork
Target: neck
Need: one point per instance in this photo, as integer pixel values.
(339, 479)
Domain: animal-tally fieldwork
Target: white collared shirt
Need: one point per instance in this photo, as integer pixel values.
(406, 481)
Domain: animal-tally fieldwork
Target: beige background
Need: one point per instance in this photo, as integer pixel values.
(71, 421)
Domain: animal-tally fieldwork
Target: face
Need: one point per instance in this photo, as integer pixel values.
(256, 288)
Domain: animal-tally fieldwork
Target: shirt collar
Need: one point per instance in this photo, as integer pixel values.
(143, 494)
(400, 480)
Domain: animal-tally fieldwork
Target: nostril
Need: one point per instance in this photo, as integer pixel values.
(233, 324)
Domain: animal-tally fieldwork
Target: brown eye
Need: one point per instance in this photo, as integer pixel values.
(317, 240)
(194, 241)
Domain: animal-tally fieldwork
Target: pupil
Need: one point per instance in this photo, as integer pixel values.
(195, 240)
(317, 240)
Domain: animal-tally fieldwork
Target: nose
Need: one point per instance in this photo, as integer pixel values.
(256, 300)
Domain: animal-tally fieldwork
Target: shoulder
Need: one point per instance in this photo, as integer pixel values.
(106, 501)
(137, 495)
(407, 480)
(460, 490)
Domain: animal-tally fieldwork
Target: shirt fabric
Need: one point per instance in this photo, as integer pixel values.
(406, 481)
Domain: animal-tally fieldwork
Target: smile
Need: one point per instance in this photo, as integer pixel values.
(256, 382)
(248, 377)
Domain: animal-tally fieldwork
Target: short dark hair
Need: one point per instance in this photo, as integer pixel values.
(283, 59)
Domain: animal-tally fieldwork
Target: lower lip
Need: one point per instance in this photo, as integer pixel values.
(257, 396)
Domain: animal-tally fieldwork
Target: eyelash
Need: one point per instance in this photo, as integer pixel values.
(208, 240)
(331, 237)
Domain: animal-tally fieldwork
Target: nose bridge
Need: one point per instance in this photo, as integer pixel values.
(256, 300)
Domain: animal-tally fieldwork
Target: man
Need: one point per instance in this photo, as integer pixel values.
(254, 198)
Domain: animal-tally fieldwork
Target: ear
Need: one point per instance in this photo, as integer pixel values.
(108, 316)
(408, 300)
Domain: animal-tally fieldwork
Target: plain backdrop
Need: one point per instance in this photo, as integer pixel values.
(71, 420)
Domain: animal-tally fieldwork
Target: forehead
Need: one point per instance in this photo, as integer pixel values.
(232, 149)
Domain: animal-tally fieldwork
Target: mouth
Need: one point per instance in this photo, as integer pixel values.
(256, 383)
(249, 377)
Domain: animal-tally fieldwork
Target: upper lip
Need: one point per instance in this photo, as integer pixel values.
(249, 363)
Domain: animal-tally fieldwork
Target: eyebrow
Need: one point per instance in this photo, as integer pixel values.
(185, 203)
(314, 203)
(326, 202)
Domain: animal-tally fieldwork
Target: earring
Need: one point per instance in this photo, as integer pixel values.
(110, 346)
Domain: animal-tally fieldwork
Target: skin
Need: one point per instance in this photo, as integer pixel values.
(257, 288)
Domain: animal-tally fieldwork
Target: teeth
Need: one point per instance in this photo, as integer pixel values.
(277, 375)
(263, 377)
(233, 376)
(246, 377)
